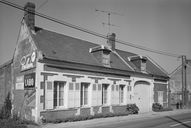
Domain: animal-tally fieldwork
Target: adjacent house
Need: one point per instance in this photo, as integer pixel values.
(176, 84)
(58, 76)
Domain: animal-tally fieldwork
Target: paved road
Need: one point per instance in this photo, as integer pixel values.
(171, 119)
(176, 121)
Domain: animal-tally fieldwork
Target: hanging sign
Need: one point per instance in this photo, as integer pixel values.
(29, 81)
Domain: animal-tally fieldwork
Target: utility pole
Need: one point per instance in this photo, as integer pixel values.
(184, 82)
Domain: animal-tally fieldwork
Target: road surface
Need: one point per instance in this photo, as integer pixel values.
(175, 121)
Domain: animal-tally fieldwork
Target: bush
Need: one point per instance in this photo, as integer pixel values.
(87, 117)
(156, 107)
(132, 109)
(10, 123)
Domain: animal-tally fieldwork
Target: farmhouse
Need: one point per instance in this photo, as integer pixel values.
(57, 76)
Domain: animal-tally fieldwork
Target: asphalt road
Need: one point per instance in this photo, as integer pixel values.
(169, 119)
(174, 121)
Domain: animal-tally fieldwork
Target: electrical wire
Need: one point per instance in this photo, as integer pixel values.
(89, 31)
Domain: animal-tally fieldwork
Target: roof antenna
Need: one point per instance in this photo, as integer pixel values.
(109, 13)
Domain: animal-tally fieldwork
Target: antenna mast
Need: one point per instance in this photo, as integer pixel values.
(109, 18)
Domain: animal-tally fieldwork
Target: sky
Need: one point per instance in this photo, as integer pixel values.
(157, 24)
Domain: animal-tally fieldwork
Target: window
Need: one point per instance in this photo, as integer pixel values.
(121, 93)
(105, 93)
(58, 95)
(84, 94)
(106, 59)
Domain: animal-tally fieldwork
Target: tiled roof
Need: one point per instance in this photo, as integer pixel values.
(64, 48)
(151, 68)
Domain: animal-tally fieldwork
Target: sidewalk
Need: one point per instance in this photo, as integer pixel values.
(93, 122)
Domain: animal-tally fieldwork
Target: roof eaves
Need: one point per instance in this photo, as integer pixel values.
(173, 72)
(165, 72)
(6, 63)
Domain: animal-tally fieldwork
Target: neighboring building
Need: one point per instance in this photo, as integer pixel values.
(57, 76)
(176, 84)
(6, 81)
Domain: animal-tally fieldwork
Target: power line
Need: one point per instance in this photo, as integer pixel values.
(89, 31)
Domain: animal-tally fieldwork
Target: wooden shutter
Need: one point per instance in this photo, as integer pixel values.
(77, 95)
(94, 95)
(49, 95)
(71, 95)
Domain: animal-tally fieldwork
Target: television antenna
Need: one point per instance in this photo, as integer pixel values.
(109, 13)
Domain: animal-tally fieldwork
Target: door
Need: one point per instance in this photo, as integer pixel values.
(142, 96)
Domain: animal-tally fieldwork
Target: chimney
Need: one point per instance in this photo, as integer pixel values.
(29, 15)
(111, 41)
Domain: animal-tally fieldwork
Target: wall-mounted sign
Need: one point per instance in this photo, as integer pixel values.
(28, 61)
(19, 85)
(29, 81)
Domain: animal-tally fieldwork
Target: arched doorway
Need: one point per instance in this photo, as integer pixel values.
(142, 96)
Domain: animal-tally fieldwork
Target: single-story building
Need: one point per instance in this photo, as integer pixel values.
(58, 76)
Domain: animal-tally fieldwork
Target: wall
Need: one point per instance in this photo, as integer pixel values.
(24, 68)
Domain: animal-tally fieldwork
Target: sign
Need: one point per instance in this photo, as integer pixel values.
(29, 81)
(28, 61)
(19, 83)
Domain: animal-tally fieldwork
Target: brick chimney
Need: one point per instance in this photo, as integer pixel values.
(111, 41)
(29, 15)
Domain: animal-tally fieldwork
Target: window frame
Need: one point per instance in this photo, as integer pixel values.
(84, 94)
(57, 96)
(105, 96)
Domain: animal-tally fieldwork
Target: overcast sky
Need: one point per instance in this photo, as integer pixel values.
(157, 24)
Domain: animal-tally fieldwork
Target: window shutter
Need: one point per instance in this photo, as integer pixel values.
(49, 95)
(117, 94)
(94, 95)
(71, 95)
(112, 94)
(77, 95)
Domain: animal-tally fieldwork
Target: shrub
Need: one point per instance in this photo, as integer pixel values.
(86, 117)
(132, 109)
(156, 107)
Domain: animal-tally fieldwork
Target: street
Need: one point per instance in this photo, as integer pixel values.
(171, 119)
(176, 121)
